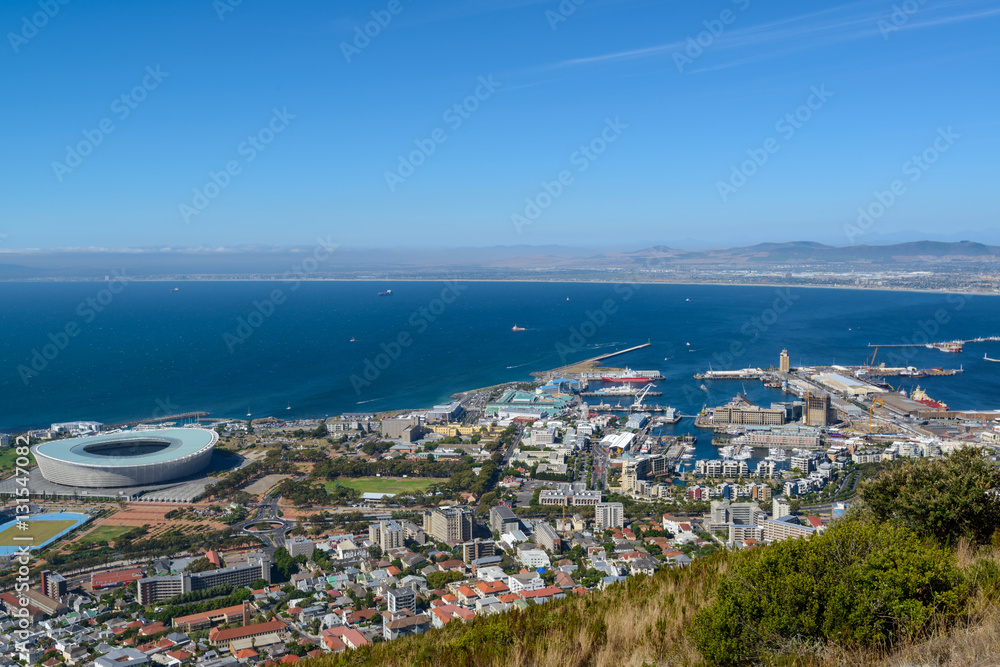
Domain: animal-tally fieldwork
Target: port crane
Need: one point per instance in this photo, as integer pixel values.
(638, 405)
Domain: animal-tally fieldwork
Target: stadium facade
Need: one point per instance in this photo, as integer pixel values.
(129, 458)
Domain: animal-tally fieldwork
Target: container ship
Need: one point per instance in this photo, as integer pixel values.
(920, 396)
(629, 375)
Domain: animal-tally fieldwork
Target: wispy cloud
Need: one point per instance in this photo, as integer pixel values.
(797, 33)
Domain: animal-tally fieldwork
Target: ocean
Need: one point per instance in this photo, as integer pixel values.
(120, 351)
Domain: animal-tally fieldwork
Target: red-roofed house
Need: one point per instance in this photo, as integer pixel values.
(246, 654)
(213, 557)
(441, 616)
(816, 523)
(485, 588)
(177, 658)
(466, 595)
(347, 636)
(544, 594)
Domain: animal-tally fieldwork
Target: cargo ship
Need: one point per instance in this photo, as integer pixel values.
(516, 328)
(920, 396)
(629, 375)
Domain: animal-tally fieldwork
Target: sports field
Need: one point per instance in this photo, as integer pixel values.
(387, 484)
(105, 533)
(40, 531)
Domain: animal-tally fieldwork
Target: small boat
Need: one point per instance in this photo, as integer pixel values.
(687, 299)
(289, 406)
(688, 344)
(516, 328)
(176, 289)
(352, 339)
(387, 292)
(248, 412)
(986, 358)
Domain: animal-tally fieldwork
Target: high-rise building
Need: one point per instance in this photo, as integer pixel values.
(783, 362)
(780, 507)
(609, 515)
(386, 534)
(503, 520)
(449, 524)
(53, 585)
(817, 410)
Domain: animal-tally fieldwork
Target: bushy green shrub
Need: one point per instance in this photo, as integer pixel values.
(861, 584)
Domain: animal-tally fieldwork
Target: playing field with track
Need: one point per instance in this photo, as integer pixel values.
(39, 531)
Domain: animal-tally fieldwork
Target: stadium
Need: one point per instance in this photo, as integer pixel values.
(130, 458)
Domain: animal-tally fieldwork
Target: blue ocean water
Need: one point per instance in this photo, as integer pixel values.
(148, 350)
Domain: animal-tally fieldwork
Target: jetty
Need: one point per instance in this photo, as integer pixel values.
(585, 365)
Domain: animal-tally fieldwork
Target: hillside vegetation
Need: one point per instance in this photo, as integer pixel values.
(911, 577)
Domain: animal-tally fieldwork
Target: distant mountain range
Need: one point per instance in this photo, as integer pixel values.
(511, 261)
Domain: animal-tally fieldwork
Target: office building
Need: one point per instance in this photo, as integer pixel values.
(300, 546)
(503, 520)
(150, 590)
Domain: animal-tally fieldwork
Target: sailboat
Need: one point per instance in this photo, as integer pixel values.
(289, 405)
(248, 413)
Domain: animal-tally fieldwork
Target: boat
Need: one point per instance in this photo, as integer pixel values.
(986, 358)
(954, 346)
(352, 339)
(920, 396)
(387, 292)
(248, 412)
(176, 289)
(289, 406)
(516, 328)
(629, 375)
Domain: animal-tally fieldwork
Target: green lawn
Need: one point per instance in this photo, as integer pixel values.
(105, 533)
(39, 530)
(8, 459)
(387, 484)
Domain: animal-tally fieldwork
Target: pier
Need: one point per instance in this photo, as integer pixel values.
(621, 395)
(585, 365)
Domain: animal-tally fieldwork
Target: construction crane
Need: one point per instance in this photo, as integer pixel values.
(871, 362)
(876, 403)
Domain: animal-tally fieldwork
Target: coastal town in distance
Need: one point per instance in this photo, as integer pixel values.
(185, 539)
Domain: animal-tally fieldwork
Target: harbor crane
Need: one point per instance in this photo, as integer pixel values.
(638, 405)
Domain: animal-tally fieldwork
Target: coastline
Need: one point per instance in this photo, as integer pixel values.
(230, 279)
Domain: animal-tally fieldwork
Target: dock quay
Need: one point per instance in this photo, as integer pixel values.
(622, 395)
(156, 420)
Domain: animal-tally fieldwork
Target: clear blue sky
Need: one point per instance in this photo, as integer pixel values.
(895, 82)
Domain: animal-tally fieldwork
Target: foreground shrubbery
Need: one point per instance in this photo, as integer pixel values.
(861, 584)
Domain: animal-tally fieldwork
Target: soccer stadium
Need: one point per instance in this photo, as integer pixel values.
(130, 458)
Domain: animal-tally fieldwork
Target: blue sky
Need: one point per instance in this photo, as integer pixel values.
(668, 108)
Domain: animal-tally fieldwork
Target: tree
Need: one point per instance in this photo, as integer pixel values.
(950, 497)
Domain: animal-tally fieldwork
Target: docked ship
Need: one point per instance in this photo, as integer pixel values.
(950, 346)
(629, 375)
(920, 396)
